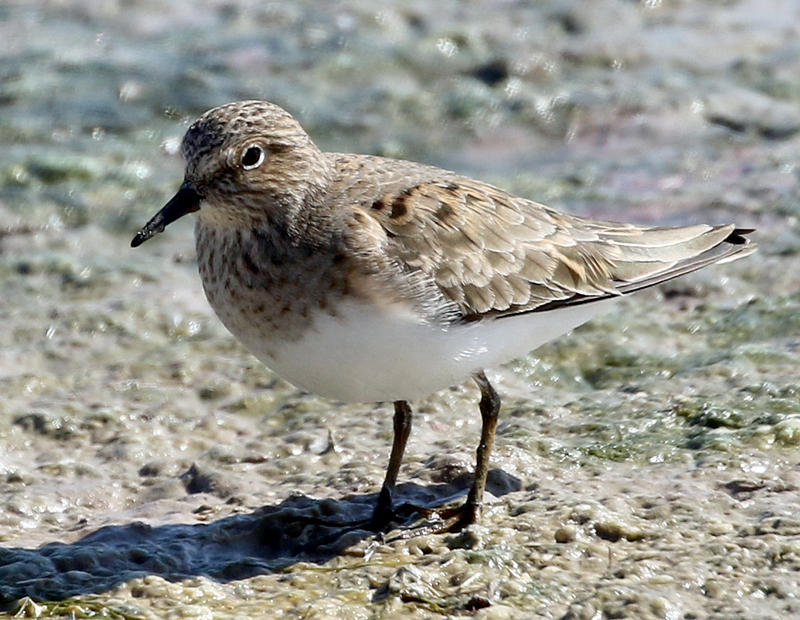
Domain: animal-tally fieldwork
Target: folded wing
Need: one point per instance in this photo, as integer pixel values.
(494, 254)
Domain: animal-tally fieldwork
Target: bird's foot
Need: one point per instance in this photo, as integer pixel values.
(416, 521)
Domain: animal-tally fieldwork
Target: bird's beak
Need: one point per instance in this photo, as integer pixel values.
(186, 201)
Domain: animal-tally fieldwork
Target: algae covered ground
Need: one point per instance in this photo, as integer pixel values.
(646, 466)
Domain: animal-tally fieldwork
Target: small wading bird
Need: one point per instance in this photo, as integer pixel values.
(364, 278)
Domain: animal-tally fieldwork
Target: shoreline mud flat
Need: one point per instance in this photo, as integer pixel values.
(646, 465)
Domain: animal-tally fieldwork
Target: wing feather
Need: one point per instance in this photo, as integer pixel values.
(494, 254)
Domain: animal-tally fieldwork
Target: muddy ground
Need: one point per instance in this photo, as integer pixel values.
(646, 466)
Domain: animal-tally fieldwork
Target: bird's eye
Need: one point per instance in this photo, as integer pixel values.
(253, 158)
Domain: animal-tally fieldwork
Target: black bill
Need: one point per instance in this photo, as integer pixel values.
(186, 201)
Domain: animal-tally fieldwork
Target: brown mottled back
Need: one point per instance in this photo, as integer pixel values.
(492, 253)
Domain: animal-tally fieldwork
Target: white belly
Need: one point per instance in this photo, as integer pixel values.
(366, 353)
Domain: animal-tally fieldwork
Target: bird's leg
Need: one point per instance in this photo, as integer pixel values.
(490, 410)
(402, 429)
(453, 519)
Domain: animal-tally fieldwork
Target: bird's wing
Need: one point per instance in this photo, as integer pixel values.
(494, 254)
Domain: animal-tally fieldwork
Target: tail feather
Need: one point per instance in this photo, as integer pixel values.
(732, 248)
(692, 248)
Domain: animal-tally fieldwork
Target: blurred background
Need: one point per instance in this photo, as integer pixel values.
(123, 400)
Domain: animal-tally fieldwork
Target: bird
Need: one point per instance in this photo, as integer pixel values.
(368, 279)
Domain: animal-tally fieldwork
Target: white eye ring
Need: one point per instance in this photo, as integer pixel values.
(253, 157)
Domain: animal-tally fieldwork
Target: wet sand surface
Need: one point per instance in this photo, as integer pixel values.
(646, 466)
